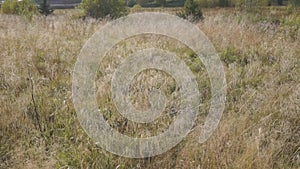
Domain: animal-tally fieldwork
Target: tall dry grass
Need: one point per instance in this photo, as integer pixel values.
(259, 127)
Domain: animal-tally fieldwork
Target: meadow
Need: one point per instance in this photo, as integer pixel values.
(259, 128)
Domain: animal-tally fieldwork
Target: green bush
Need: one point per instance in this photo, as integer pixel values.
(26, 8)
(137, 6)
(192, 11)
(9, 7)
(104, 8)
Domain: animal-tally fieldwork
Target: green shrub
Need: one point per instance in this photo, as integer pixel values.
(9, 7)
(192, 11)
(26, 8)
(104, 8)
(137, 6)
(232, 55)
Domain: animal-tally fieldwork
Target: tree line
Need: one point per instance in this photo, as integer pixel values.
(118, 8)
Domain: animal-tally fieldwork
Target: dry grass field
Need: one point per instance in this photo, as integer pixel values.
(260, 127)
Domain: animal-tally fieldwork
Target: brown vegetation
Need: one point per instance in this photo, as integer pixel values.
(259, 127)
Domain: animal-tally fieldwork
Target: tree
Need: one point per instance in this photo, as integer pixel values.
(192, 11)
(104, 8)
